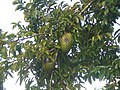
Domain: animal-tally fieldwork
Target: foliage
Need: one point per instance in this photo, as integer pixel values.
(3, 53)
(92, 54)
(1, 85)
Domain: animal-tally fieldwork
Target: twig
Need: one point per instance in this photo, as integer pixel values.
(30, 36)
(117, 23)
(87, 6)
(51, 81)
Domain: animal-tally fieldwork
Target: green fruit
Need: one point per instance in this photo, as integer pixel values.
(26, 16)
(66, 42)
(49, 66)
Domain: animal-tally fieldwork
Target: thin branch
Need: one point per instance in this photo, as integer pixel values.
(50, 84)
(21, 39)
(87, 6)
(117, 23)
(83, 87)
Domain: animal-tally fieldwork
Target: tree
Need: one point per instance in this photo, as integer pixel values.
(64, 46)
(1, 68)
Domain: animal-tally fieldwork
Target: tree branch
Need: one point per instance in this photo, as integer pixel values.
(21, 39)
(117, 23)
(86, 7)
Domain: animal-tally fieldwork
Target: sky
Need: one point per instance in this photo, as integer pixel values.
(9, 15)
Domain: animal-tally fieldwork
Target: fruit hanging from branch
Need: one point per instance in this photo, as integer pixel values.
(26, 16)
(49, 66)
(66, 42)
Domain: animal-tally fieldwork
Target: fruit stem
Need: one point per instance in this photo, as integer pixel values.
(49, 82)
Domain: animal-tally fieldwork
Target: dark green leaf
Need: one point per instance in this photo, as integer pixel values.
(118, 39)
(15, 2)
(19, 7)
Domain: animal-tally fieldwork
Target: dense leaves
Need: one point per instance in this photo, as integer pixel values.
(92, 55)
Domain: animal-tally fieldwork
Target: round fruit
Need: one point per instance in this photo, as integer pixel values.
(26, 16)
(66, 42)
(49, 66)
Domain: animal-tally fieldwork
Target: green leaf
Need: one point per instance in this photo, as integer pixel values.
(69, 21)
(15, 67)
(99, 37)
(4, 52)
(18, 48)
(89, 78)
(13, 45)
(11, 36)
(9, 74)
(19, 7)
(118, 39)
(29, 33)
(58, 46)
(81, 17)
(28, 5)
(102, 74)
(15, 2)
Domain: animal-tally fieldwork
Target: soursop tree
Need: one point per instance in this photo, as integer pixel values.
(90, 54)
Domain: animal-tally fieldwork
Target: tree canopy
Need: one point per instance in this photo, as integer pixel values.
(63, 46)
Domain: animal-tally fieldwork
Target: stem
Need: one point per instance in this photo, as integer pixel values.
(86, 7)
(49, 82)
(117, 23)
(21, 39)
